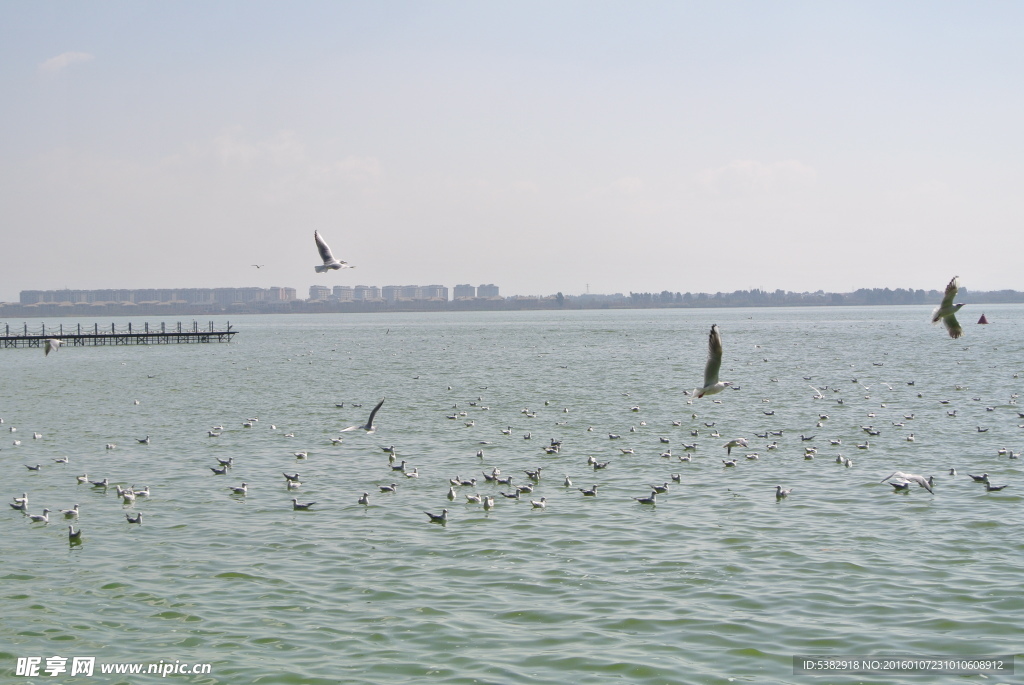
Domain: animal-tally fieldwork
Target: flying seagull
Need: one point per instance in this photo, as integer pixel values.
(738, 442)
(369, 422)
(947, 310)
(325, 253)
(711, 383)
(925, 483)
(52, 344)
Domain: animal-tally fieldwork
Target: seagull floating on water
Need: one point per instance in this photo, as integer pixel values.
(780, 492)
(41, 518)
(441, 518)
(325, 254)
(297, 506)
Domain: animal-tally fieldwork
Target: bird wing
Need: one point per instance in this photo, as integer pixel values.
(321, 246)
(951, 290)
(714, 357)
(952, 325)
(369, 423)
(922, 481)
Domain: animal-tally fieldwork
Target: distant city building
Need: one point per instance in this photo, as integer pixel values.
(464, 291)
(276, 294)
(433, 292)
(225, 297)
(319, 292)
(405, 293)
(206, 296)
(489, 290)
(364, 293)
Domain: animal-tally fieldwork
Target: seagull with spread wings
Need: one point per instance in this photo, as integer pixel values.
(368, 427)
(325, 253)
(947, 310)
(711, 383)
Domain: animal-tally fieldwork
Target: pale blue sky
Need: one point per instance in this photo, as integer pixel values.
(541, 146)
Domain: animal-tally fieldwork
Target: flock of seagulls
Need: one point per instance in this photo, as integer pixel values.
(712, 385)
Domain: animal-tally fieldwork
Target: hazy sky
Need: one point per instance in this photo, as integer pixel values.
(541, 146)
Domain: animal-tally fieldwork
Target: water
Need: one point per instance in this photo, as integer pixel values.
(717, 583)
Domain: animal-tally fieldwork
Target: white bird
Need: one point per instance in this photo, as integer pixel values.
(738, 442)
(711, 383)
(242, 490)
(301, 507)
(925, 483)
(41, 518)
(74, 535)
(52, 345)
(539, 504)
(648, 500)
(368, 426)
(441, 518)
(137, 519)
(946, 312)
(780, 493)
(325, 254)
(364, 498)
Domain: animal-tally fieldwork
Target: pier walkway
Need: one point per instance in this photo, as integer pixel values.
(126, 335)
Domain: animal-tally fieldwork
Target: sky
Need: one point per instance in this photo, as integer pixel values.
(543, 146)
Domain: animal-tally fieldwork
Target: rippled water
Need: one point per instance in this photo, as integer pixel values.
(717, 583)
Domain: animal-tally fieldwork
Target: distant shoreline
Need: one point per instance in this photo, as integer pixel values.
(663, 300)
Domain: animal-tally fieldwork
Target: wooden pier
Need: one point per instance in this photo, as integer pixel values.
(126, 335)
